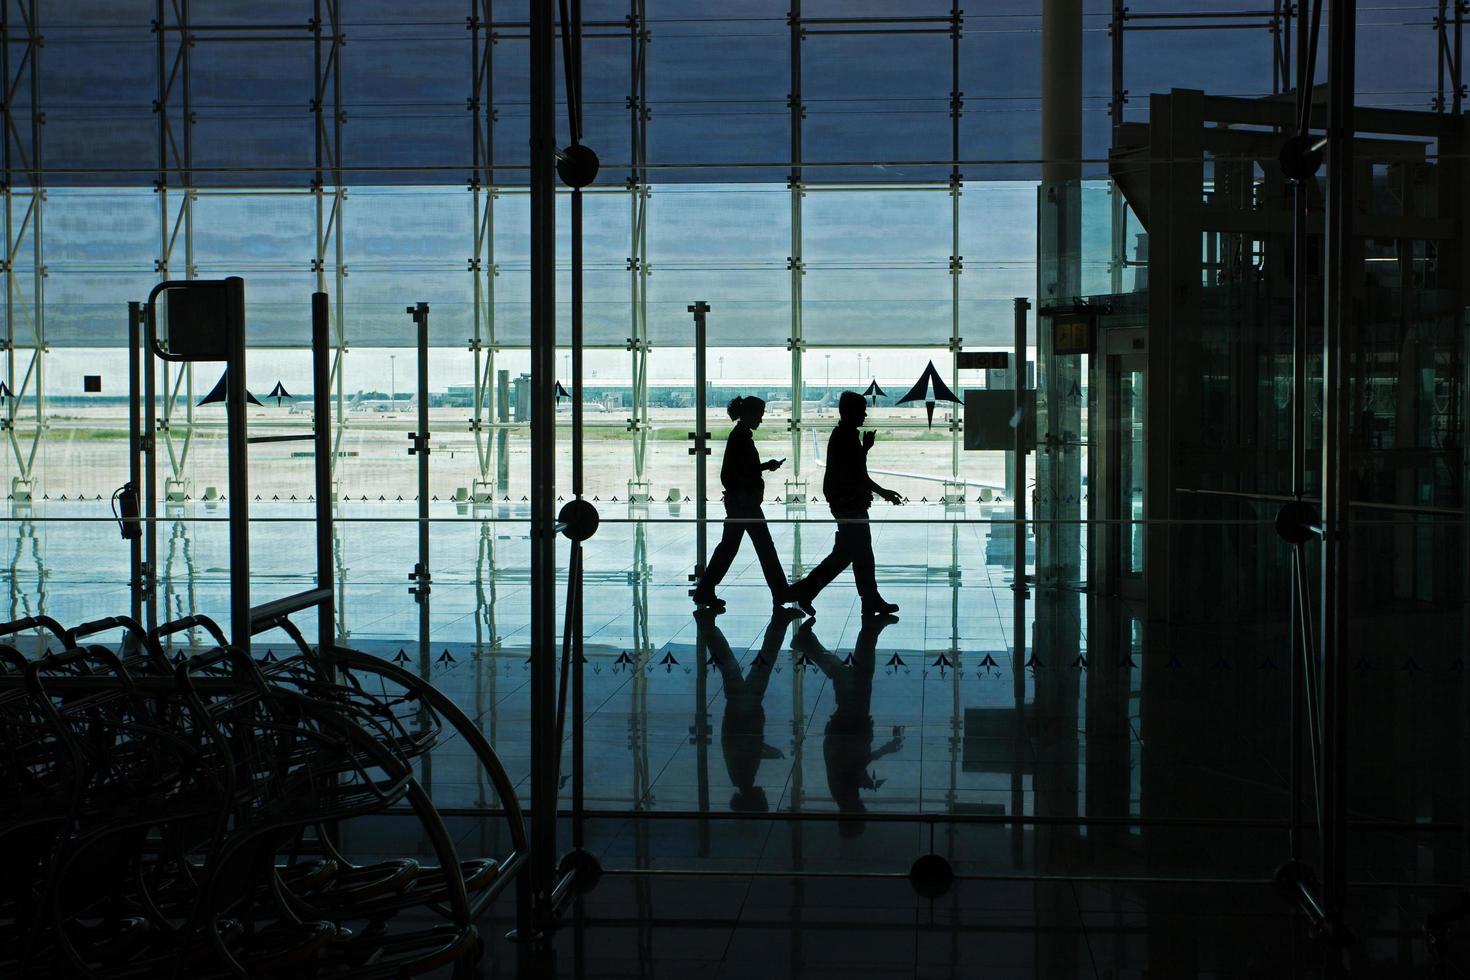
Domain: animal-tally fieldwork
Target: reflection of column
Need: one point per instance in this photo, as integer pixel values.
(174, 605)
(21, 600)
(956, 722)
(1109, 736)
(485, 633)
(340, 560)
(638, 710)
(699, 734)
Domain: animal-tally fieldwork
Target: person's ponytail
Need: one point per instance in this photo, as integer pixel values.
(737, 404)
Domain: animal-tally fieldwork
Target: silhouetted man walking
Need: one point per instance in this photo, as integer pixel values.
(849, 491)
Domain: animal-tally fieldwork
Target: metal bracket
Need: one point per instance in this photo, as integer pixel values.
(424, 578)
(420, 443)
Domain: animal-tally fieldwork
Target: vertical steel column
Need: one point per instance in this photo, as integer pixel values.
(326, 107)
(9, 151)
(1018, 381)
(700, 450)
(956, 260)
(543, 464)
(1337, 336)
(1019, 590)
(482, 260)
(237, 444)
(422, 578)
(321, 431)
(575, 582)
(1118, 260)
(1465, 591)
(135, 454)
(1300, 239)
(174, 107)
(148, 568)
(1059, 464)
(502, 416)
(1457, 77)
(796, 262)
(638, 257)
(700, 435)
(1449, 26)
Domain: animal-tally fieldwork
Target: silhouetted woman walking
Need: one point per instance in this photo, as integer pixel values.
(744, 491)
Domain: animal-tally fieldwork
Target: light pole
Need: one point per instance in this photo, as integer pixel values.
(722, 369)
(392, 383)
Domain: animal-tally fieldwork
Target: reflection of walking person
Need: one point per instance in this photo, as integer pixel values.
(743, 729)
(744, 490)
(849, 491)
(848, 746)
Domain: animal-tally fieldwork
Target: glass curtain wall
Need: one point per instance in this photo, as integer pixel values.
(856, 195)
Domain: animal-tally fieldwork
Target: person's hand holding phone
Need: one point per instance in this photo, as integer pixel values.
(868, 438)
(893, 497)
(775, 464)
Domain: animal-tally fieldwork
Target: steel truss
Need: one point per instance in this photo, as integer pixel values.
(176, 197)
(482, 266)
(24, 269)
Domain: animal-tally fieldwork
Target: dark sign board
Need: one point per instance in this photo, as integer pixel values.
(1072, 334)
(984, 360)
(92, 382)
(991, 419)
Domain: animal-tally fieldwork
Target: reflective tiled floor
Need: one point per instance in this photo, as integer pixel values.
(1092, 742)
(784, 926)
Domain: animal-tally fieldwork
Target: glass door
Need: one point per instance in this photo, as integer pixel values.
(1124, 477)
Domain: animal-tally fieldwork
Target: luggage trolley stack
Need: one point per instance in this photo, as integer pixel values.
(179, 815)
